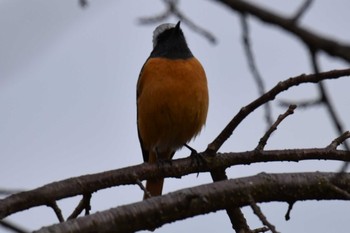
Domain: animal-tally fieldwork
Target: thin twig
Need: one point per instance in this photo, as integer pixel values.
(330, 107)
(301, 11)
(290, 207)
(252, 65)
(196, 28)
(273, 127)
(145, 191)
(77, 210)
(257, 211)
(170, 5)
(215, 145)
(339, 140)
(84, 204)
(57, 210)
(302, 104)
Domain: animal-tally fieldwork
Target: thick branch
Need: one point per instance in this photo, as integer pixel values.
(131, 175)
(185, 203)
(311, 39)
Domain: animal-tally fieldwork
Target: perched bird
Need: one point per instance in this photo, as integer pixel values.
(172, 99)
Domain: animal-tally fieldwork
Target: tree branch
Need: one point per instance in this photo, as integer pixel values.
(268, 96)
(339, 140)
(129, 175)
(252, 65)
(273, 127)
(84, 204)
(257, 211)
(311, 39)
(301, 11)
(57, 210)
(302, 103)
(157, 211)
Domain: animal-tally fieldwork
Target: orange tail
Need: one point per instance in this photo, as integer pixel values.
(154, 187)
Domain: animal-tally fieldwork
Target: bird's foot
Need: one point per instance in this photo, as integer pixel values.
(196, 157)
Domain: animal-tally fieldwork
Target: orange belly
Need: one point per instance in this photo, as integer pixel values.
(172, 103)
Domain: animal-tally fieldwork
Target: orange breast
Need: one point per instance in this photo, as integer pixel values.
(172, 102)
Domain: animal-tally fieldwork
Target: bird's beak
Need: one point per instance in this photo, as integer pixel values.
(177, 27)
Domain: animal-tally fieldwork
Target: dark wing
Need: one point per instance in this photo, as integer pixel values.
(145, 153)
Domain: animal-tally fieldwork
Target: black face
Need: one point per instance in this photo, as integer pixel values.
(171, 44)
(170, 35)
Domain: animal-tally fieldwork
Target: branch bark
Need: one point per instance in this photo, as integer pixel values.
(156, 211)
(311, 39)
(268, 96)
(131, 175)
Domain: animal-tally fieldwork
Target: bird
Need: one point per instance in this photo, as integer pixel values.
(172, 99)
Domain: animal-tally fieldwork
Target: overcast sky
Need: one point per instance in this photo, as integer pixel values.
(67, 99)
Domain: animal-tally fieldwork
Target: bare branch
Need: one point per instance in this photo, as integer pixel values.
(143, 188)
(129, 175)
(330, 107)
(273, 127)
(302, 104)
(301, 11)
(170, 5)
(268, 96)
(196, 28)
(290, 207)
(326, 98)
(253, 67)
(205, 199)
(236, 216)
(84, 204)
(257, 211)
(339, 140)
(311, 39)
(57, 210)
(238, 221)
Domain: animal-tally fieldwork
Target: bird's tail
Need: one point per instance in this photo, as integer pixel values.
(154, 187)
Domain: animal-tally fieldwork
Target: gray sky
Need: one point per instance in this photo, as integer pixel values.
(67, 98)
